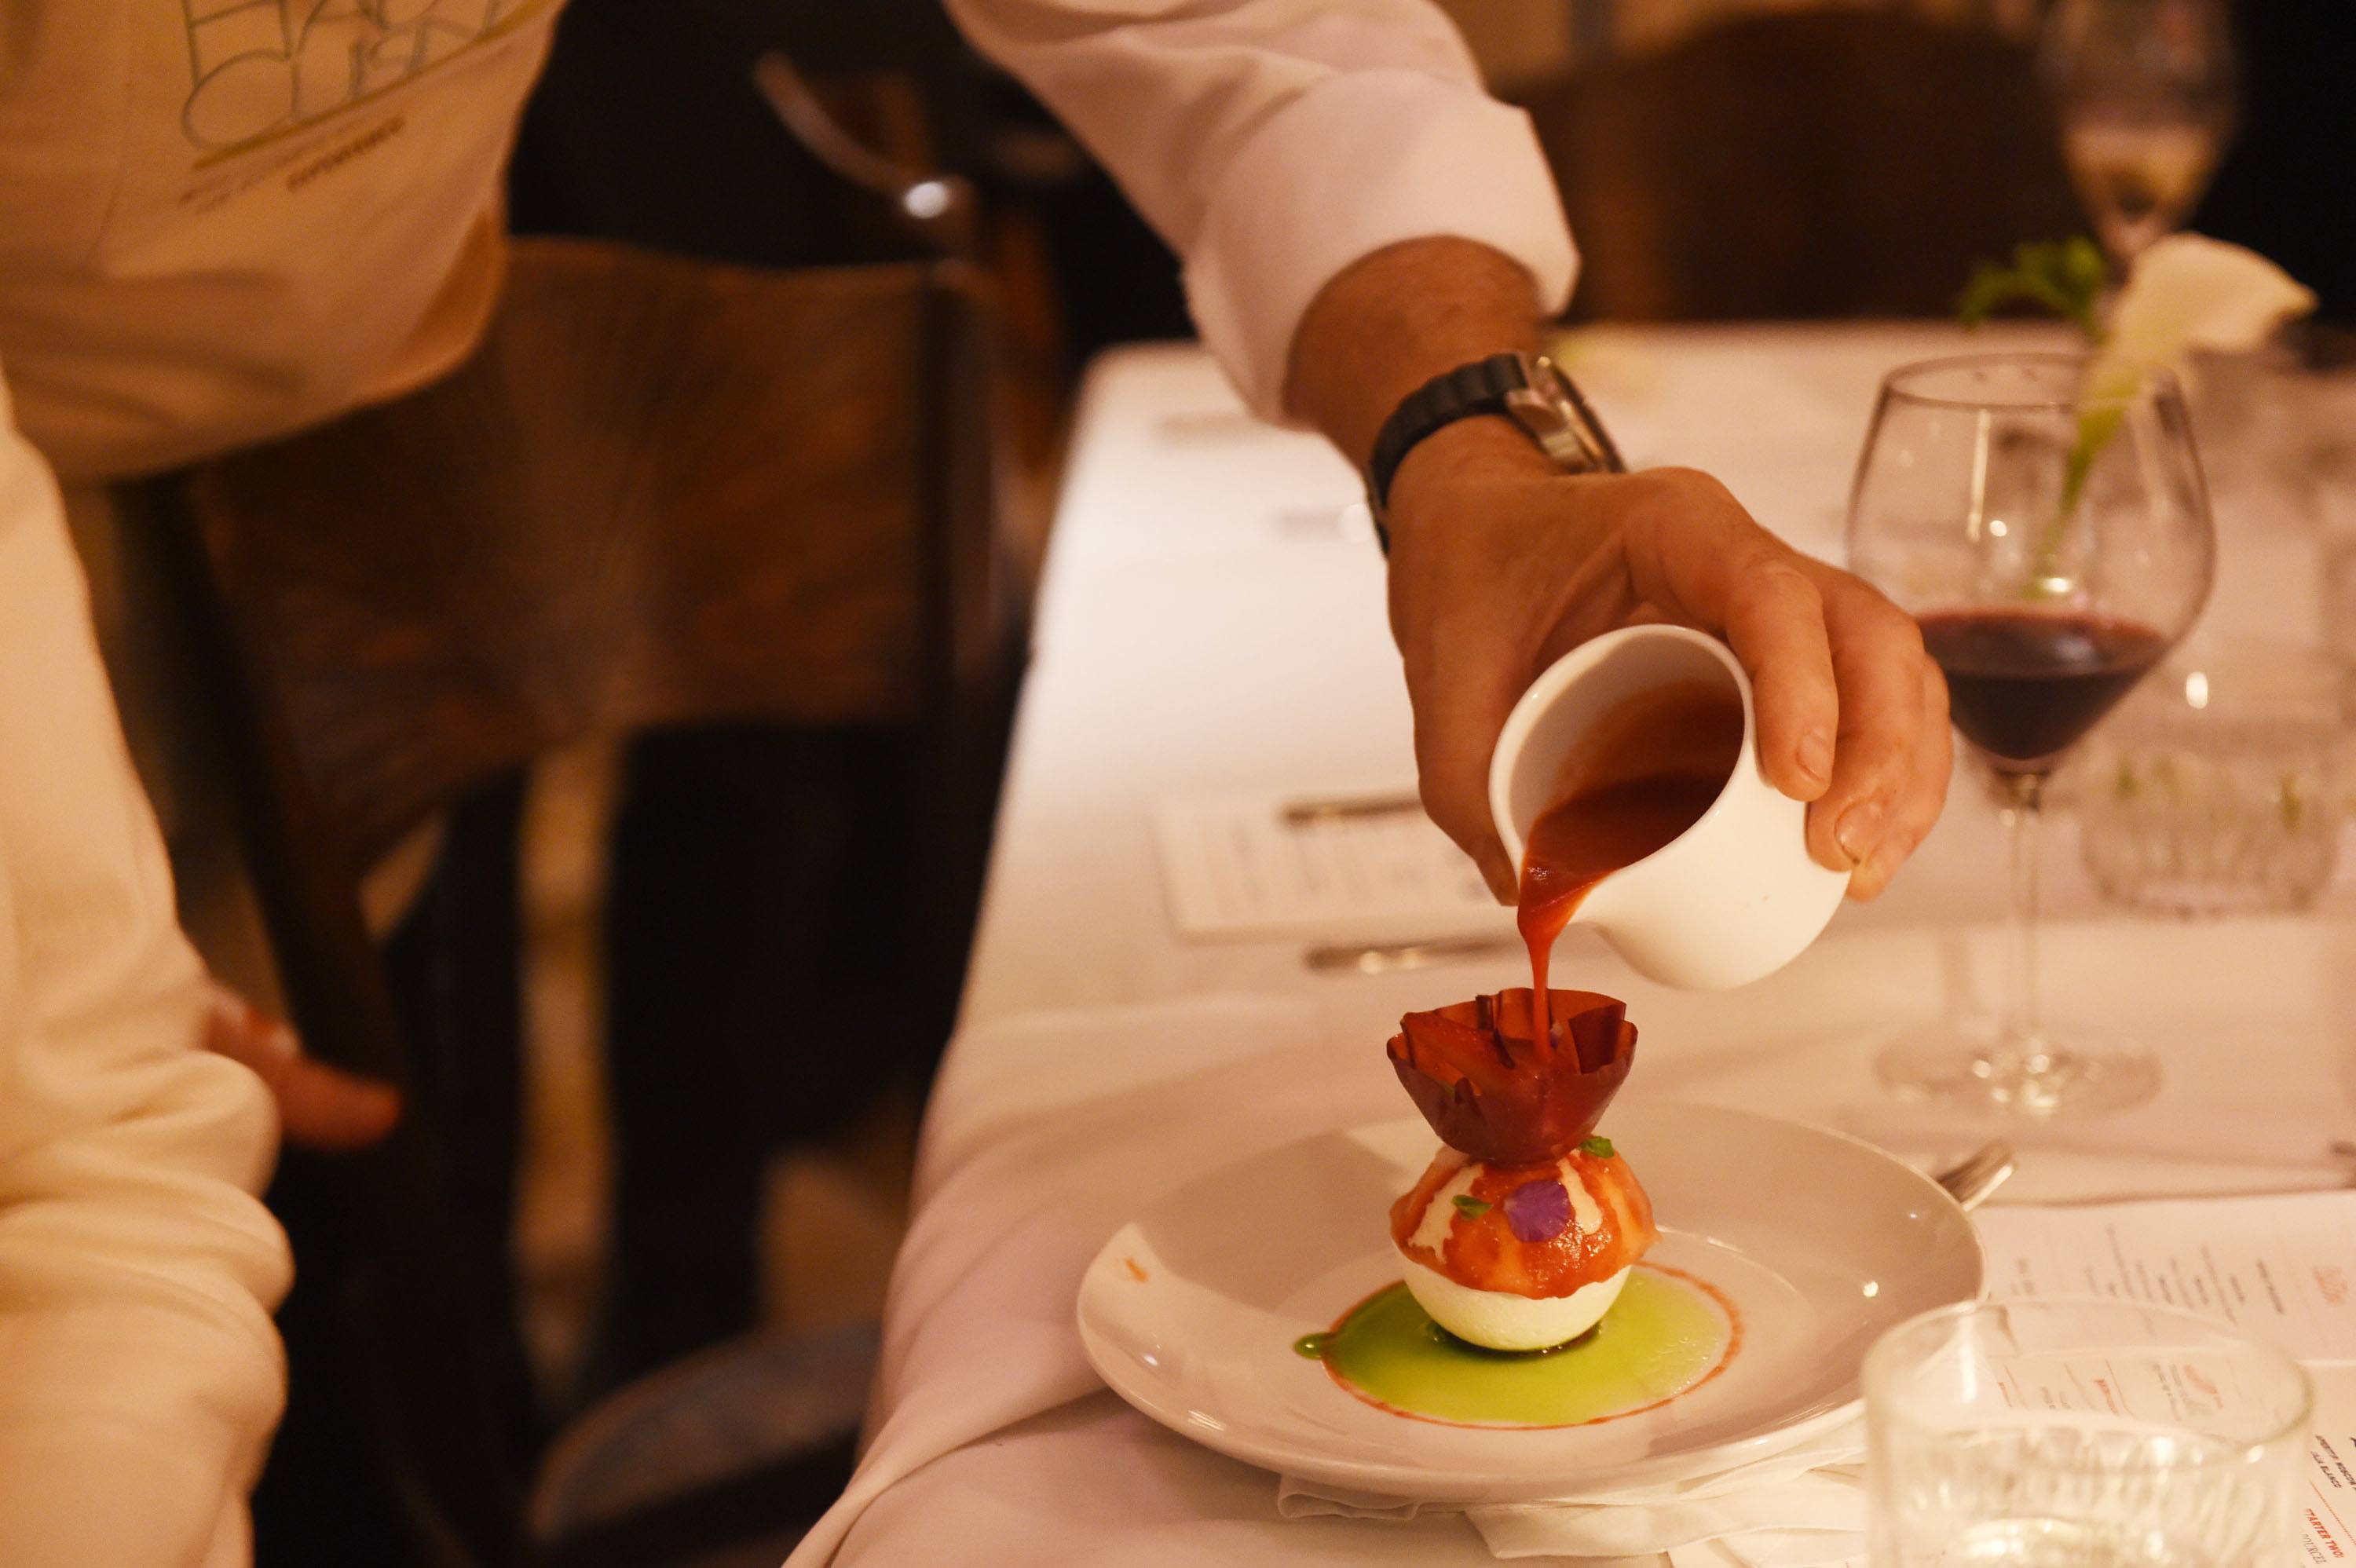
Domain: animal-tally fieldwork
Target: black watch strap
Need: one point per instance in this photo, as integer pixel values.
(1479, 388)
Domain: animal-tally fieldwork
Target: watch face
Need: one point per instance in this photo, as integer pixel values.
(1559, 420)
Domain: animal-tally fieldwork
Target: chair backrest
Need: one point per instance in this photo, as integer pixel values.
(1827, 163)
(661, 493)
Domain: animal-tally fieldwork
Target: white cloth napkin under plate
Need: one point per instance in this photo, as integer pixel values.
(1798, 1508)
(1014, 1202)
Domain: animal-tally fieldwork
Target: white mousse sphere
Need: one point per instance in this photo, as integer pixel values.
(1502, 1321)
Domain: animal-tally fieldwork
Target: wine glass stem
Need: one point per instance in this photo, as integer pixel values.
(2023, 1034)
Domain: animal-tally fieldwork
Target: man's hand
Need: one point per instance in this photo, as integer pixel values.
(319, 1107)
(1500, 563)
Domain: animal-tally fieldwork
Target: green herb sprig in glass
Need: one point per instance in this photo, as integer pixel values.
(2066, 277)
(2184, 292)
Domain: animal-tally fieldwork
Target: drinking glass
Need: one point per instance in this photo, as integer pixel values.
(2053, 544)
(2144, 92)
(2061, 1434)
(2215, 788)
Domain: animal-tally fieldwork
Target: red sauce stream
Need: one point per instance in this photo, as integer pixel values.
(1643, 776)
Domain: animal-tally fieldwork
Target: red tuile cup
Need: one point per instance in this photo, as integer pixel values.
(1495, 1092)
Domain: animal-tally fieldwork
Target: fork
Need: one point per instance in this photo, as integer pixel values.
(1379, 957)
(1971, 1179)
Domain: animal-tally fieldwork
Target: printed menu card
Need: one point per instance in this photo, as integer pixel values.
(1364, 863)
(2277, 1266)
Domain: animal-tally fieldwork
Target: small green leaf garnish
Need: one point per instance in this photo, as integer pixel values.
(2065, 276)
(1600, 1147)
(1468, 1204)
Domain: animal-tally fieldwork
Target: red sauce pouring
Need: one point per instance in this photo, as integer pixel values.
(1646, 772)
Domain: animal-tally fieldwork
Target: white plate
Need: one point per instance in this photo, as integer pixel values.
(1190, 1312)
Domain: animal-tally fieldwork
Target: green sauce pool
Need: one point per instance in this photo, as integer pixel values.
(1665, 1333)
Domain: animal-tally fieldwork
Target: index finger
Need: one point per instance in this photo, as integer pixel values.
(1459, 708)
(1700, 556)
(1880, 663)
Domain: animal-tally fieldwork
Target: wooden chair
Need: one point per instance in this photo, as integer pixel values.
(662, 493)
(1819, 164)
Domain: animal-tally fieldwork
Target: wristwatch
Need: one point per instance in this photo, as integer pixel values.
(1528, 389)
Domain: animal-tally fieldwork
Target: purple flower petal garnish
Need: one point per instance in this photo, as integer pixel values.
(1538, 1211)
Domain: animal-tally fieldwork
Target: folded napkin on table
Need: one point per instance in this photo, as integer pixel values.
(1799, 1508)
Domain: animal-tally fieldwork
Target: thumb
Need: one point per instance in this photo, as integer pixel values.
(1459, 708)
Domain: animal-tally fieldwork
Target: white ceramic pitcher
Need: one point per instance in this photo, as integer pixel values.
(1734, 897)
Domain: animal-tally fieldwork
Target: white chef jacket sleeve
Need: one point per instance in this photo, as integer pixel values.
(140, 1373)
(1274, 142)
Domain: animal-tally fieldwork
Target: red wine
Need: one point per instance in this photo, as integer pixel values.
(2024, 684)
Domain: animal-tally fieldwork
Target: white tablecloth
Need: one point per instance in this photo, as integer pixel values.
(1206, 625)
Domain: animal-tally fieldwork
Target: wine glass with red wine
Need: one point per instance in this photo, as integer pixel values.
(2053, 544)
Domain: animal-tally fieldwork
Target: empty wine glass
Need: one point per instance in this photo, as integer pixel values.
(2053, 544)
(2144, 92)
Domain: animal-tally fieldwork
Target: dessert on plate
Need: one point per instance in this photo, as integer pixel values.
(1521, 1233)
